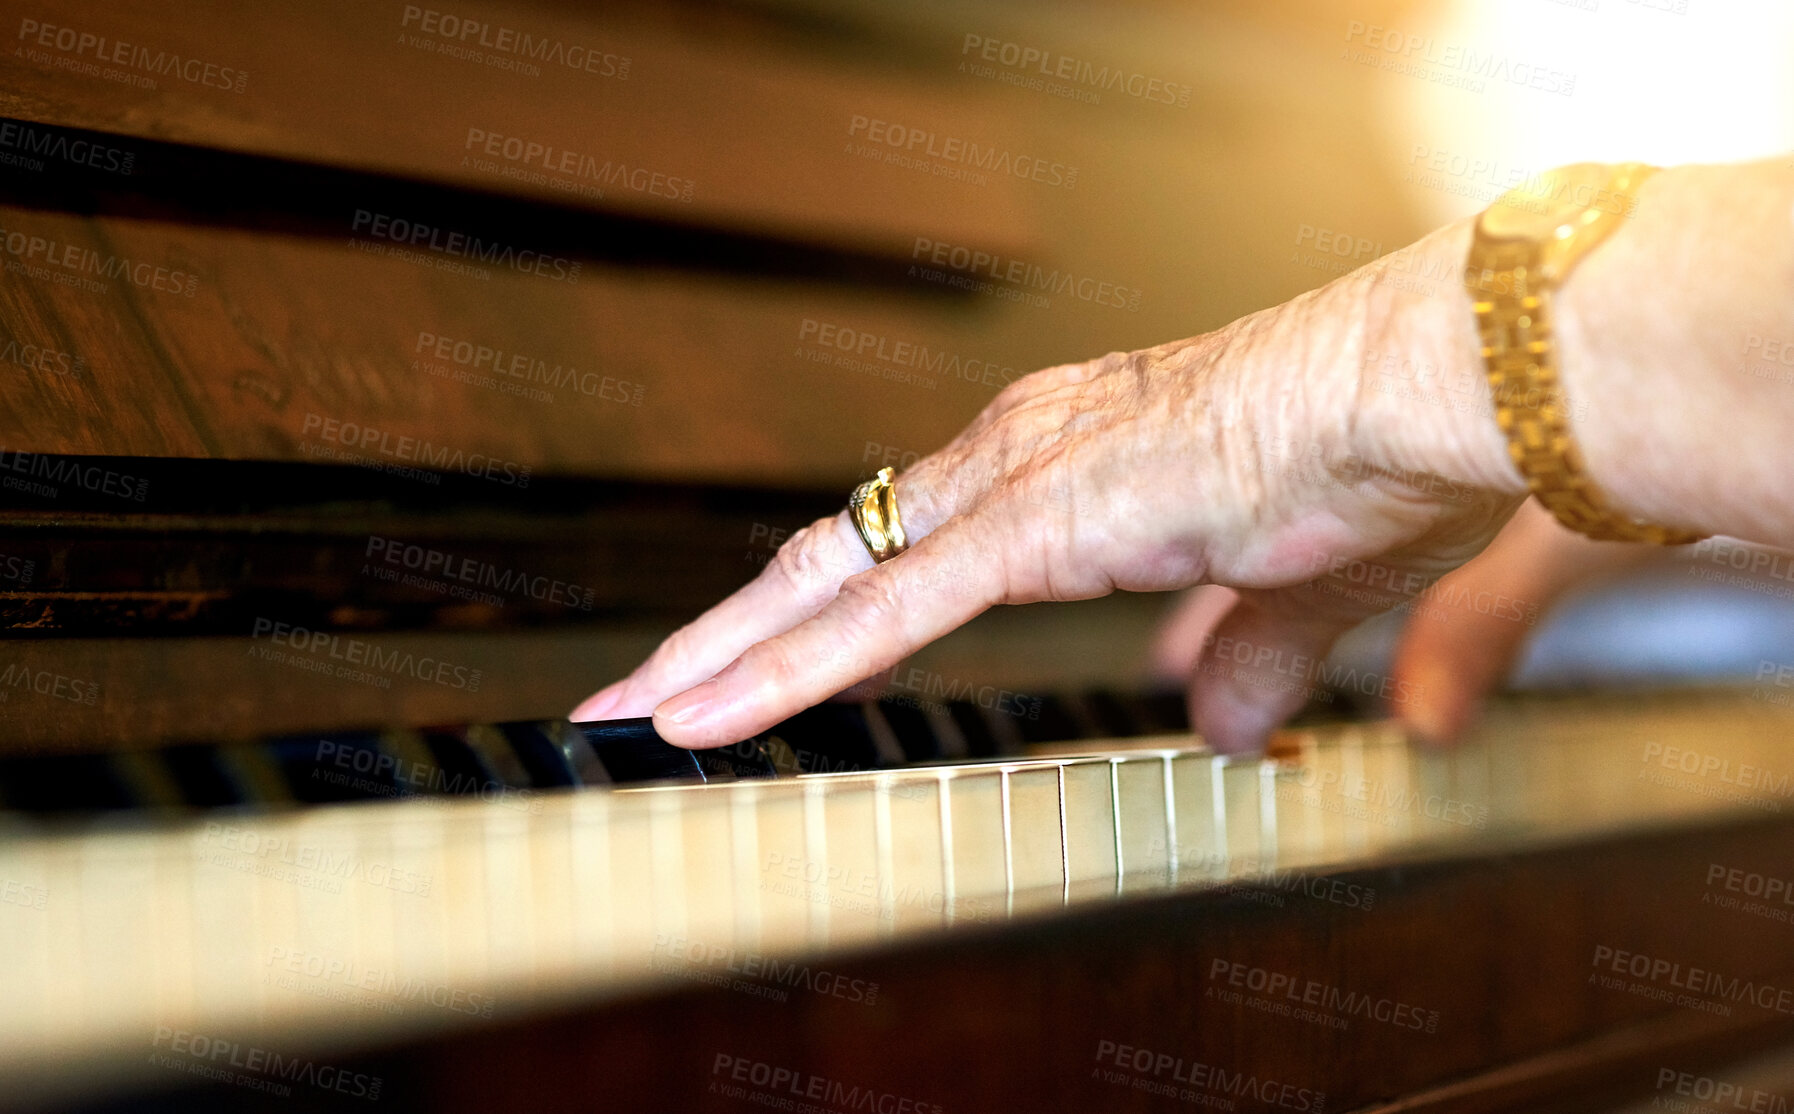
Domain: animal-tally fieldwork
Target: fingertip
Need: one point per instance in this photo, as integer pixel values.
(1231, 725)
(692, 719)
(1441, 696)
(1440, 718)
(599, 705)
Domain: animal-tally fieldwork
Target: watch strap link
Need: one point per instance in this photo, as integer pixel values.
(1512, 302)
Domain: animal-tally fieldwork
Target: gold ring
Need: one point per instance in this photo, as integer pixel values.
(873, 508)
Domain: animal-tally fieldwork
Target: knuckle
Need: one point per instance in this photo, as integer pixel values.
(674, 656)
(871, 603)
(802, 561)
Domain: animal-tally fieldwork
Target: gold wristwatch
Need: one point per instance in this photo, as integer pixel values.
(1525, 245)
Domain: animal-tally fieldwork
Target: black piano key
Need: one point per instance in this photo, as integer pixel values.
(1162, 711)
(64, 783)
(1055, 722)
(199, 772)
(981, 741)
(464, 771)
(1110, 714)
(548, 767)
(324, 769)
(914, 733)
(631, 751)
(830, 738)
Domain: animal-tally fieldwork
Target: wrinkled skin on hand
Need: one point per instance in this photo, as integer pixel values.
(1257, 457)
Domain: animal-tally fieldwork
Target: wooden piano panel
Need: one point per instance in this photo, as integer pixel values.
(755, 120)
(84, 369)
(1169, 201)
(678, 377)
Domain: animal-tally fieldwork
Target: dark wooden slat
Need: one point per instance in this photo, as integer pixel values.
(218, 547)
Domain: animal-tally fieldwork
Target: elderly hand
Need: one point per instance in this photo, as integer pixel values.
(1268, 456)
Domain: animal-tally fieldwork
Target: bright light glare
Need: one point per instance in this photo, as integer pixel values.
(1712, 84)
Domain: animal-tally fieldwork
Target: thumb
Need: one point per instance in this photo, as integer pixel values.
(1466, 633)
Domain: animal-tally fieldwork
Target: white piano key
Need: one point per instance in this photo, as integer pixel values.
(852, 880)
(1198, 806)
(1091, 829)
(972, 827)
(917, 856)
(1147, 839)
(26, 891)
(783, 888)
(1242, 818)
(1034, 838)
(229, 899)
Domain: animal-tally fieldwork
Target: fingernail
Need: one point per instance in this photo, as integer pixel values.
(690, 706)
(599, 704)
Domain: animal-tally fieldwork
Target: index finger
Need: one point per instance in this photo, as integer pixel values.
(803, 576)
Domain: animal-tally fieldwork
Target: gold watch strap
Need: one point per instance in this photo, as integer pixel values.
(1510, 283)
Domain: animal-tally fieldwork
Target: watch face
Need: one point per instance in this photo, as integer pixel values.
(1540, 206)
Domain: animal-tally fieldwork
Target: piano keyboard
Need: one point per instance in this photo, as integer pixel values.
(410, 915)
(520, 758)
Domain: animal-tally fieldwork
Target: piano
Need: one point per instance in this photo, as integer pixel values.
(378, 380)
